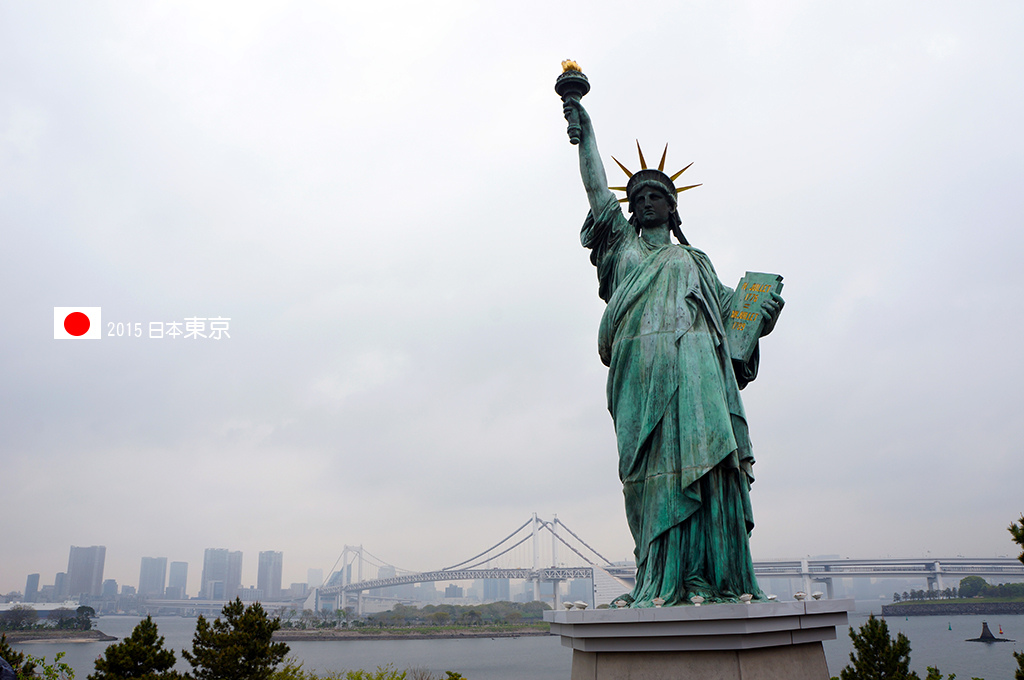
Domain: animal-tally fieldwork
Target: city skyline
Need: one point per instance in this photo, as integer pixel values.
(229, 559)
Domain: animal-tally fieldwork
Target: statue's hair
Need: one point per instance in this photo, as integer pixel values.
(675, 222)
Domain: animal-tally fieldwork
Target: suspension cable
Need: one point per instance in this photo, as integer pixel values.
(490, 559)
(383, 563)
(582, 556)
(608, 561)
(491, 548)
(327, 581)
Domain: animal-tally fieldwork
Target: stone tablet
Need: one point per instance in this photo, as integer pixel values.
(745, 319)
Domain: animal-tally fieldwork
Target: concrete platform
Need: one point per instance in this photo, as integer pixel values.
(761, 641)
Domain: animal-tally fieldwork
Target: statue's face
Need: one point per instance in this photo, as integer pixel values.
(651, 206)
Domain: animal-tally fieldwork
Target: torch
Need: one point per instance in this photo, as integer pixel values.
(572, 84)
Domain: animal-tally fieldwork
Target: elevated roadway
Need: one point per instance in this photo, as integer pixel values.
(933, 570)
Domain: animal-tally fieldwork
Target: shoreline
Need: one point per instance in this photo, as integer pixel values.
(31, 637)
(335, 634)
(939, 608)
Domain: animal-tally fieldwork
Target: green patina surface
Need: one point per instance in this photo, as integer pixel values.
(685, 458)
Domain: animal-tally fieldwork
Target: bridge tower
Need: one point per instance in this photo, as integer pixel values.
(555, 583)
(351, 553)
(536, 557)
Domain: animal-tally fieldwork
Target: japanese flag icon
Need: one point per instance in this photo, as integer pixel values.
(77, 323)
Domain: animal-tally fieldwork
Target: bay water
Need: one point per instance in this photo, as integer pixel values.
(543, 658)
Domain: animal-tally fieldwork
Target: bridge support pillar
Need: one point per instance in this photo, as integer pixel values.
(829, 594)
(805, 575)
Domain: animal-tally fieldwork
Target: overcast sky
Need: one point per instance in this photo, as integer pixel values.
(383, 199)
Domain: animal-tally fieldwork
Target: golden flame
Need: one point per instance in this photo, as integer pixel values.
(570, 65)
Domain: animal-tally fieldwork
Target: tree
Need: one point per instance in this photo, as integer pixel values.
(84, 616)
(238, 647)
(62, 617)
(972, 585)
(19, 616)
(1016, 530)
(876, 656)
(21, 666)
(58, 670)
(140, 655)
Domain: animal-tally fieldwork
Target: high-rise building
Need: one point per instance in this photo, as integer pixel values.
(32, 588)
(268, 577)
(109, 589)
(223, 567)
(234, 580)
(85, 571)
(250, 594)
(215, 570)
(60, 587)
(496, 590)
(387, 571)
(152, 576)
(582, 589)
(177, 581)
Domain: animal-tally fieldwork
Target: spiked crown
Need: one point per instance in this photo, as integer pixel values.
(649, 176)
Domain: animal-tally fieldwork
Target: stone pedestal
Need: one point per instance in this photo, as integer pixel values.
(761, 641)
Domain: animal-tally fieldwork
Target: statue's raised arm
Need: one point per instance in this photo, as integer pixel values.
(595, 180)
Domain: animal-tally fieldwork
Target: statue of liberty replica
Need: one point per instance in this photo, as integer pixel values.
(679, 346)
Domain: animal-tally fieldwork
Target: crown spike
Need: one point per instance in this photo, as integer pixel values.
(617, 188)
(681, 189)
(624, 169)
(673, 177)
(623, 200)
(661, 165)
(643, 163)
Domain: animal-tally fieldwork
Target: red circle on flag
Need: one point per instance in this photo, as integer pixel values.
(76, 324)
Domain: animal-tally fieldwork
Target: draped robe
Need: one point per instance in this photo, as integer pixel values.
(673, 392)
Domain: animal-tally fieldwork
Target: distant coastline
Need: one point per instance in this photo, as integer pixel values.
(333, 634)
(26, 637)
(953, 608)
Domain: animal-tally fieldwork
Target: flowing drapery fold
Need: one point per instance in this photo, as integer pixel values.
(673, 391)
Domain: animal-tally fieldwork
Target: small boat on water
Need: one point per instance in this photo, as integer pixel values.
(987, 636)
